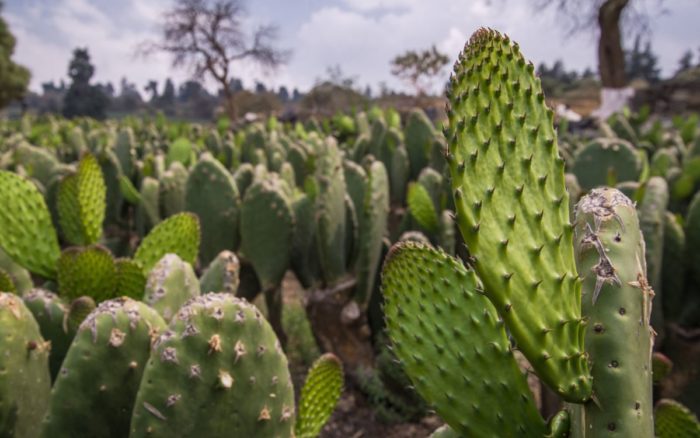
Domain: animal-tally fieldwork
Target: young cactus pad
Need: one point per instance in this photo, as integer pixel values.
(96, 387)
(319, 395)
(453, 345)
(617, 304)
(218, 371)
(513, 208)
(25, 383)
(179, 234)
(33, 244)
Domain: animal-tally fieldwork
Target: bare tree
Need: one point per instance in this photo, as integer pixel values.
(418, 67)
(208, 36)
(609, 17)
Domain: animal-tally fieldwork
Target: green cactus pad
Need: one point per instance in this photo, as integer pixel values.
(128, 191)
(267, 226)
(50, 312)
(330, 213)
(222, 274)
(97, 385)
(420, 136)
(453, 345)
(172, 190)
(69, 210)
(178, 234)
(82, 203)
(606, 161)
(651, 221)
(444, 432)
(422, 208)
(87, 271)
(661, 366)
(673, 420)
(320, 393)
(373, 227)
(78, 310)
(673, 269)
(33, 244)
(513, 208)
(218, 371)
(25, 383)
(20, 277)
(617, 304)
(212, 194)
(131, 281)
(6, 283)
(170, 284)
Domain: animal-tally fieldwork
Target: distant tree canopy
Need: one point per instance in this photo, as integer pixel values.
(642, 63)
(14, 78)
(418, 67)
(83, 99)
(208, 36)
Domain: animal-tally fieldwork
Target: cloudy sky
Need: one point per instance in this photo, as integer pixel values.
(360, 36)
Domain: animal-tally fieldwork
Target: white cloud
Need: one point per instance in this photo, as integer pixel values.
(362, 36)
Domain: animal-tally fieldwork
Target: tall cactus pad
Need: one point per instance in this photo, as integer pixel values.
(422, 208)
(513, 208)
(319, 396)
(617, 304)
(31, 243)
(96, 388)
(267, 224)
(222, 275)
(25, 384)
(453, 345)
(651, 223)
(50, 312)
(82, 203)
(330, 213)
(211, 193)
(87, 271)
(171, 283)
(218, 371)
(179, 234)
(92, 193)
(673, 420)
(374, 211)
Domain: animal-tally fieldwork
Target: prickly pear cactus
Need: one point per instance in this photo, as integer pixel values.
(178, 234)
(212, 194)
(20, 277)
(651, 223)
(675, 420)
(617, 303)
(452, 343)
(131, 281)
(267, 224)
(96, 387)
(50, 312)
(606, 161)
(25, 383)
(513, 208)
(218, 371)
(171, 283)
(374, 211)
(87, 271)
(172, 190)
(222, 274)
(33, 244)
(320, 393)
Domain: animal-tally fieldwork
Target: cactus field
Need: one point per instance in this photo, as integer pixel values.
(496, 271)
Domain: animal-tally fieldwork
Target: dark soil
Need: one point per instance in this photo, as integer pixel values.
(354, 418)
